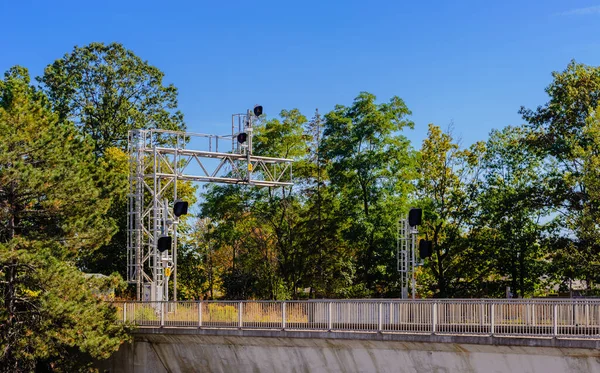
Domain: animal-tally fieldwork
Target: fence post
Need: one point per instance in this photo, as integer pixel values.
(200, 313)
(596, 311)
(555, 319)
(380, 317)
(587, 314)
(329, 318)
(124, 312)
(492, 319)
(240, 315)
(283, 316)
(162, 314)
(434, 311)
(481, 314)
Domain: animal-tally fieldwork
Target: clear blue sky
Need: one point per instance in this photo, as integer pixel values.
(471, 62)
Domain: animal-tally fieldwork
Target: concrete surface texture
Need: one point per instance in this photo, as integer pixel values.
(178, 352)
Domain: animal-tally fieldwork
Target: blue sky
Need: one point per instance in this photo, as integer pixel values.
(471, 62)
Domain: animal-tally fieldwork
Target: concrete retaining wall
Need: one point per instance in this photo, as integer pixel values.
(160, 350)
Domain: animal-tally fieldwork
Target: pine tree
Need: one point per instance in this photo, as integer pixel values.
(51, 212)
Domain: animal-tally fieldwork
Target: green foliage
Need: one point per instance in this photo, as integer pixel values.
(114, 165)
(560, 131)
(590, 154)
(520, 209)
(107, 90)
(52, 211)
(370, 169)
(447, 190)
(48, 181)
(281, 241)
(512, 210)
(52, 320)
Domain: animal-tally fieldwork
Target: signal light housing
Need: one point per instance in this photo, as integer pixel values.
(164, 243)
(414, 217)
(425, 249)
(258, 110)
(180, 208)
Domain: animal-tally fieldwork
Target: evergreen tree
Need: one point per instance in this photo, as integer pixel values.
(51, 212)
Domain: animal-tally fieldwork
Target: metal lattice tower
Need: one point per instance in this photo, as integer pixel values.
(161, 158)
(406, 256)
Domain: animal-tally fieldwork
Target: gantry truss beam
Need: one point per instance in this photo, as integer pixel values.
(158, 160)
(266, 171)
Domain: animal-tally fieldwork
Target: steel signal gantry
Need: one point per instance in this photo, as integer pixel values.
(158, 160)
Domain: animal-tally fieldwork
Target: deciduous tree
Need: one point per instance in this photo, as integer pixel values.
(370, 169)
(561, 134)
(447, 189)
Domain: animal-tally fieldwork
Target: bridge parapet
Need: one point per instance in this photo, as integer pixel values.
(534, 318)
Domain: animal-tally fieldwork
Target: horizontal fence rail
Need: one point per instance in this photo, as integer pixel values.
(485, 317)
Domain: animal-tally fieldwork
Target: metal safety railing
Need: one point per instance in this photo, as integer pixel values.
(485, 317)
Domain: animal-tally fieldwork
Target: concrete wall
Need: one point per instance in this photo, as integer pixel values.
(263, 351)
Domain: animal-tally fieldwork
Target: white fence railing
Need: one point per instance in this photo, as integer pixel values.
(534, 318)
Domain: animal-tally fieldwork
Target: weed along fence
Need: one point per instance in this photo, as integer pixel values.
(485, 317)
